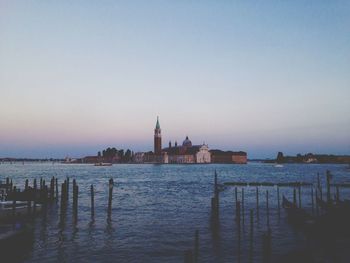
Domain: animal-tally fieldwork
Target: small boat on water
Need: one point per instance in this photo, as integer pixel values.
(21, 208)
(103, 164)
(279, 165)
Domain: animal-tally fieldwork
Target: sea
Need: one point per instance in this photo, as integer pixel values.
(157, 209)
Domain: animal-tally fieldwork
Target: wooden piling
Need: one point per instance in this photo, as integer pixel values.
(312, 201)
(236, 195)
(110, 195)
(196, 247)
(14, 203)
(328, 177)
(316, 198)
(251, 236)
(294, 197)
(56, 190)
(26, 185)
(75, 202)
(67, 190)
(35, 198)
(243, 206)
(63, 197)
(257, 203)
(299, 195)
(92, 202)
(267, 209)
(278, 202)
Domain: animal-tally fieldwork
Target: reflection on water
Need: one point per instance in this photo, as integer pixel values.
(157, 208)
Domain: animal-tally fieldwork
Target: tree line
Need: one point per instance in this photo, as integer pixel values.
(114, 155)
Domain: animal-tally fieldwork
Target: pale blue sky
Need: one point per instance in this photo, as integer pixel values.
(259, 76)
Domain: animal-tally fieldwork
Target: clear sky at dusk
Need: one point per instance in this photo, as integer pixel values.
(259, 76)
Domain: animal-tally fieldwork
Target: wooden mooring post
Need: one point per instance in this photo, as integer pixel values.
(267, 209)
(35, 199)
(67, 190)
(243, 206)
(251, 248)
(257, 203)
(75, 201)
(328, 177)
(278, 202)
(299, 195)
(312, 201)
(317, 207)
(56, 190)
(92, 202)
(294, 197)
(110, 196)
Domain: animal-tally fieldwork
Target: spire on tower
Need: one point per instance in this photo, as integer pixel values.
(157, 124)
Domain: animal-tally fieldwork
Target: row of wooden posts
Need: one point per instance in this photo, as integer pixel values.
(191, 256)
(45, 195)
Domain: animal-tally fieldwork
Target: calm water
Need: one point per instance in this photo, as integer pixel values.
(157, 208)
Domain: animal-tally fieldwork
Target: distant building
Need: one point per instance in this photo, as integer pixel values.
(157, 139)
(188, 153)
(218, 156)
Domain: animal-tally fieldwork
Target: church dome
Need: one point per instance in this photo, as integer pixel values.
(187, 142)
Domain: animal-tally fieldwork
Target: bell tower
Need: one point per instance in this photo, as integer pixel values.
(157, 139)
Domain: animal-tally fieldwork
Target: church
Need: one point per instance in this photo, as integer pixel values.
(180, 154)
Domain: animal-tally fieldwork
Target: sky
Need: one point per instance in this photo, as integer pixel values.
(257, 76)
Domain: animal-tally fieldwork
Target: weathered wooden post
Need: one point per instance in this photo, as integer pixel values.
(312, 200)
(196, 246)
(74, 184)
(92, 202)
(14, 202)
(267, 209)
(299, 194)
(236, 194)
(63, 197)
(26, 187)
(52, 189)
(294, 197)
(251, 236)
(110, 196)
(278, 202)
(328, 177)
(238, 218)
(56, 190)
(35, 195)
(67, 191)
(75, 202)
(257, 203)
(243, 206)
(41, 183)
(316, 197)
(216, 194)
